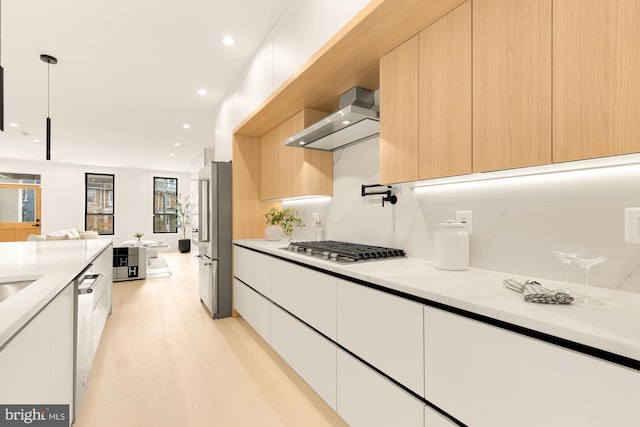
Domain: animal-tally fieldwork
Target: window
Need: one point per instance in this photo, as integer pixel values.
(99, 202)
(165, 194)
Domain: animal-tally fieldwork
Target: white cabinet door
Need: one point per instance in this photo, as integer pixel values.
(383, 329)
(367, 399)
(487, 376)
(311, 355)
(253, 269)
(36, 365)
(102, 291)
(308, 294)
(101, 310)
(433, 418)
(253, 308)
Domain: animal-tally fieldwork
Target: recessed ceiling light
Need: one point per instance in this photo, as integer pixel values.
(15, 125)
(177, 144)
(228, 40)
(202, 92)
(301, 142)
(171, 154)
(36, 141)
(345, 122)
(186, 126)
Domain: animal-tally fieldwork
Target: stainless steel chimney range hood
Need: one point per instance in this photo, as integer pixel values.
(357, 119)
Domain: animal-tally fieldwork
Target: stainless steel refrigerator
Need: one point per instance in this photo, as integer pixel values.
(214, 238)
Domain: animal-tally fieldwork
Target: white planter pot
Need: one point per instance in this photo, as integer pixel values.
(273, 232)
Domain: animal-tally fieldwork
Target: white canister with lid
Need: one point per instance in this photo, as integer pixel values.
(451, 247)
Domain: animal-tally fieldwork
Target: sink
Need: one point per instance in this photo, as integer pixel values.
(9, 288)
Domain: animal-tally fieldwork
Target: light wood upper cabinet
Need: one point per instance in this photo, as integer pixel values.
(445, 96)
(425, 102)
(311, 170)
(269, 165)
(289, 171)
(596, 78)
(399, 113)
(512, 83)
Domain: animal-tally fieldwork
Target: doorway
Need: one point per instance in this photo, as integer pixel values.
(19, 211)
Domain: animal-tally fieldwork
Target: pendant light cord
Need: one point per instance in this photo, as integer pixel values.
(48, 85)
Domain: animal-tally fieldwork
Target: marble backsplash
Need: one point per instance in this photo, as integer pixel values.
(516, 220)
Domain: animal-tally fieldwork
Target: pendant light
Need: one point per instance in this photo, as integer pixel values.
(49, 60)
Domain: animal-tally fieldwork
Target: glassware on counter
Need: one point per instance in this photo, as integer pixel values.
(565, 255)
(587, 260)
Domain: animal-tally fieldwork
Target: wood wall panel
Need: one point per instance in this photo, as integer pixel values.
(248, 209)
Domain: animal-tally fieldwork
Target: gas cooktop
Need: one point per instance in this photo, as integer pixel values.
(344, 251)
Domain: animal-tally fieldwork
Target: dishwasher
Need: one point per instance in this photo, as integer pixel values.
(88, 289)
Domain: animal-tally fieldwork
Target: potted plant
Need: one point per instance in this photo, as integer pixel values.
(184, 220)
(138, 237)
(281, 221)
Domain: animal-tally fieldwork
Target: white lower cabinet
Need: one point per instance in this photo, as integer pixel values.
(368, 399)
(38, 361)
(433, 418)
(383, 329)
(308, 294)
(253, 268)
(311, 355)
(254, 308)
(102, 294)
(487, 376)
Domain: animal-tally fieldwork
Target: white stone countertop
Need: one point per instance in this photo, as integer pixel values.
(53, 263)
(613, 326)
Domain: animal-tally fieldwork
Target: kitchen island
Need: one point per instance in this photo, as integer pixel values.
(38, 323)
(457, 345)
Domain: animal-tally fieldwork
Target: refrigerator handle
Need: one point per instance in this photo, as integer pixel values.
(203, 211)
(205, 260)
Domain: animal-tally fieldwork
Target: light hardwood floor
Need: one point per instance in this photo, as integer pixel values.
(162, 361)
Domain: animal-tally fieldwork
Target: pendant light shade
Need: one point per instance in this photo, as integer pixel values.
(49, 60)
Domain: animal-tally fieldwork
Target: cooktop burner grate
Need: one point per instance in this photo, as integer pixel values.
(345, 251)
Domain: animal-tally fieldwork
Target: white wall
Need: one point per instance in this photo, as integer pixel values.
(304, 27)
(63, 197)
(515, 220)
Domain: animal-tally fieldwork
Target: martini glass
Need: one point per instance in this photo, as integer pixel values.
(565, 255)
(586, 261)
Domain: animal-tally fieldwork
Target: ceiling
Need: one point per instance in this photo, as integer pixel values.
(127, 76)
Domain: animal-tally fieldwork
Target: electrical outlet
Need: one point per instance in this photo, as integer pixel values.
(315, 217)
(465, 217)
(632, 225)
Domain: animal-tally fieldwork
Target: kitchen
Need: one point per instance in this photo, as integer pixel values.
(518, 216)
(515, 220)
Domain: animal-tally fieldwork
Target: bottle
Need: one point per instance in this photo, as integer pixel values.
(451, 247)
(319, 234)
